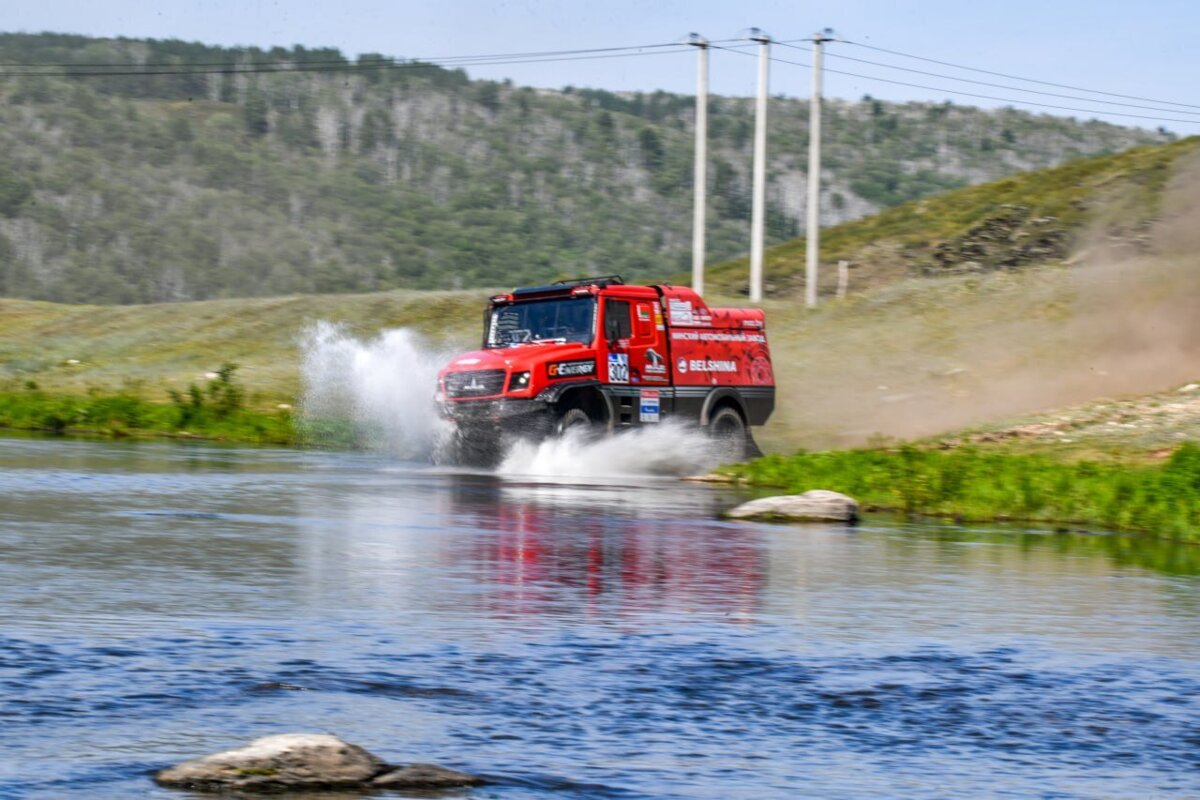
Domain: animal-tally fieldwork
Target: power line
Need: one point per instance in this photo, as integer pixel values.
(1093, 111)
(658, 48)
(1017, 77)
(995, 85)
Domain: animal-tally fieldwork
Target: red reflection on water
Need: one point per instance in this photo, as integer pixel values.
(539, 557)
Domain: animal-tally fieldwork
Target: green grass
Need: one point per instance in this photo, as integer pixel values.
(74, 349)
(976, 486)
(214, 411)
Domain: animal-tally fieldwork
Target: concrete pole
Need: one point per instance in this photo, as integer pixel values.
(700, 179)
(758, 209)
(812, 230)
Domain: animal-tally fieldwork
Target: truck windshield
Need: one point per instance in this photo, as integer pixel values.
(566, 319)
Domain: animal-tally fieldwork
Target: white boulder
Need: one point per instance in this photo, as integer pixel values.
(303, 762)
(817, 505)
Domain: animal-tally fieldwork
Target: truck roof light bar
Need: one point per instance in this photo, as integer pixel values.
(601, 280)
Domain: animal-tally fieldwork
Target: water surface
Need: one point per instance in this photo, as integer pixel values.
(570, 640)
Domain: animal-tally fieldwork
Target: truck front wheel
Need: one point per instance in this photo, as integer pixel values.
(576, 420)
(728, 432)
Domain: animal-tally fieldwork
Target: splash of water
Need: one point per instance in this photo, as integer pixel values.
(668, 449)
(383, 387)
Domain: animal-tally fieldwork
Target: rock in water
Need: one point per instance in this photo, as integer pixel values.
(275, 763)
(424, 776)
(817, 505)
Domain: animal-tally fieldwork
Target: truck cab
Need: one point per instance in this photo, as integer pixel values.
(598, 355)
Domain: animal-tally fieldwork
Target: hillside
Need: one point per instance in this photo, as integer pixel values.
(129, 189)
(914, 353)
(1048, 216)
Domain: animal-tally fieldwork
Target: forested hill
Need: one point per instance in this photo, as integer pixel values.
(384, 174)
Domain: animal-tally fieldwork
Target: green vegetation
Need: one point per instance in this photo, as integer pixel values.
(976, 486)
(73, 349)
(154, 188)
(213, 411)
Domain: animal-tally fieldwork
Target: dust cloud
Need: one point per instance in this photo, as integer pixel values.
(1121, 318)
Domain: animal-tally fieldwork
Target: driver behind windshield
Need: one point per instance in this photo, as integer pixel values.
(568, 320)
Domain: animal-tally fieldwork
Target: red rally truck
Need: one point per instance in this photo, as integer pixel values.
(600, 355)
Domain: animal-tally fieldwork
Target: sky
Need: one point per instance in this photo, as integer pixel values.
(1145, 50)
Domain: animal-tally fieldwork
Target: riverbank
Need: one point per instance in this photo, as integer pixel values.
(984, 481)
(215, 410)
(971, 485)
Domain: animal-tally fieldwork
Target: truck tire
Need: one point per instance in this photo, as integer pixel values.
(577, 420)
(475, 448)
(728, 433)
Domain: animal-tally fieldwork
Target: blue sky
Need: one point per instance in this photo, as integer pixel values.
(1146, 50)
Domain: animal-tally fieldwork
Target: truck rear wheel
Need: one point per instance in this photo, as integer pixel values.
(728, 432)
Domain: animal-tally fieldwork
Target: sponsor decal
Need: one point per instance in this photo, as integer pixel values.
(681, 365)
(711, 365)
(466, 362)
(680, 312)
(643, 313)
(618, 368)
(571, 369)
(718, 336)
(649, 406)
(655, 362)
(658, 319)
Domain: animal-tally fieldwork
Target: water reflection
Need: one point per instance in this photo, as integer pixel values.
(524, 549)
(577, 640)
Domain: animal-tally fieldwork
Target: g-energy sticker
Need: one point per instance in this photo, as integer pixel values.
(570, 369)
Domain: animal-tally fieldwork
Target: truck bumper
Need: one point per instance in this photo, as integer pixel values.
(527, 418)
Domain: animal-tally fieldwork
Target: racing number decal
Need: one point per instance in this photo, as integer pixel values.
(618, 368)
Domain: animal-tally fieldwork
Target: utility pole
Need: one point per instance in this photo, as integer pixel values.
(700, 178)
(758, 208)
(812, 231)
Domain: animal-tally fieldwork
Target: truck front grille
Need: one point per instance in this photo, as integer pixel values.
(477, 383)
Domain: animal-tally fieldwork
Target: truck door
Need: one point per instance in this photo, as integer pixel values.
(637, 356)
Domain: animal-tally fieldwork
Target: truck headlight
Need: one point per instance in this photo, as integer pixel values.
(518, 381)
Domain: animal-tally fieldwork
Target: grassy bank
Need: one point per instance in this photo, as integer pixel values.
(73, 349)
(974, 486)
(215, 410)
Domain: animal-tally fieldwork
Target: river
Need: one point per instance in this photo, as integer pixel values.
(572, 639)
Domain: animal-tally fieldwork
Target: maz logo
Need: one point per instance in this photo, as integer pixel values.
(655, 362)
